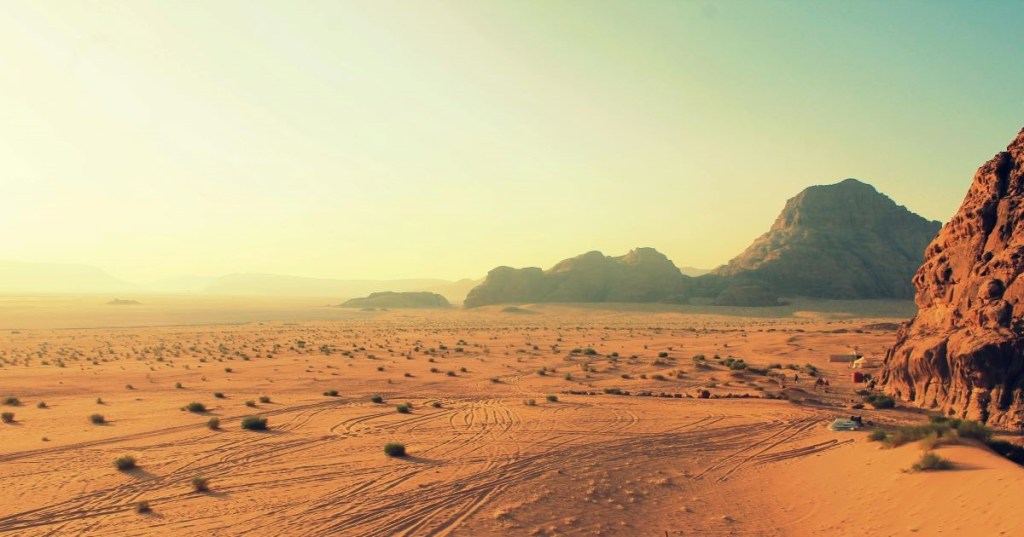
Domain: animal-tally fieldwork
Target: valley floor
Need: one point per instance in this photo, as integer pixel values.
(495, 456)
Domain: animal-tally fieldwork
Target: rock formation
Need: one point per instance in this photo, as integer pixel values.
(963, 353)
(390, 299)
(844, 241)
(642, 275)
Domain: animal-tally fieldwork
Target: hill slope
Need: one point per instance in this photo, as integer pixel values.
(844, 240)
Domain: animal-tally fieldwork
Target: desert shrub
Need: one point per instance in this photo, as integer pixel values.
(250, 403)
(403, 409)
(530, 402)
(552, 398)
(228, 370)
(99, 401)
(41, 404)
(178, 385)
(12, 401)
(973, 429)
(663, 354)
(880, 401)
(436, 404)
(496, 380)
(125, 463)
(97, 419)
(218, 395)
(7, 417)
(589, 352)
(264, 399)
(143, 508)
(254, 423)
(200, 484)
(195, 407)
(542, 372)
(658, 376)
(930, 461)
(394, 449)
(331, 393)
(877, 435)
(450, 373)
(377, 399)
(213, 423)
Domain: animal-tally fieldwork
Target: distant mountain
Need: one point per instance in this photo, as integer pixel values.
(23, 277)
(693, 271)
(278, 285)
(843, 241)
(389, 299)
(642, 275)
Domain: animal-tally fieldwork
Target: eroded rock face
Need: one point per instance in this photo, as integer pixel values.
(844, 240)
(963, 353)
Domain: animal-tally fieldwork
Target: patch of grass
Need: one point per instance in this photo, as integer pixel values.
(97, 419)
(394, 449)
(195, 407)
(877, 435)
(125, 463)
(930, 462)
(880, 401)
(254, 423)
(200, 484)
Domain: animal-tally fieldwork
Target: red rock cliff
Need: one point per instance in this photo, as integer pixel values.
(963, 353)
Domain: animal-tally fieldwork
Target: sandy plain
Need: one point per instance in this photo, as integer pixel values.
(484, 460)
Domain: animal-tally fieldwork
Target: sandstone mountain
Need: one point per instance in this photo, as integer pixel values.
(963, 353)
(844, 240)
(642, 275)
(390, 299)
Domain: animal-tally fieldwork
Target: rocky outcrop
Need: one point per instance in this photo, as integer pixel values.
(845, 241)
(390, 299)
(963, 353)
(642, 275)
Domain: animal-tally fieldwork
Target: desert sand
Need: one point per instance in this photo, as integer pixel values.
(489, 452)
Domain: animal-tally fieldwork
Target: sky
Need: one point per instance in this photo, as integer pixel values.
(386, 139)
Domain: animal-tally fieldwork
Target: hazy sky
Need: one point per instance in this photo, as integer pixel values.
(440, 139)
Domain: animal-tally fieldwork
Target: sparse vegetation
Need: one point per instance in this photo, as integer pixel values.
(254, 423)
(930, 462)
(213, 423)
(125, 463)
(7, 417)
(331, 393)
(403, 409)
(12, 401)
(880, 401)
(98, 419)
(264, 399)
(379, 399)
(200, 484)
(394, 449)
(552, 398)
(195, 407)
(143, 508)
